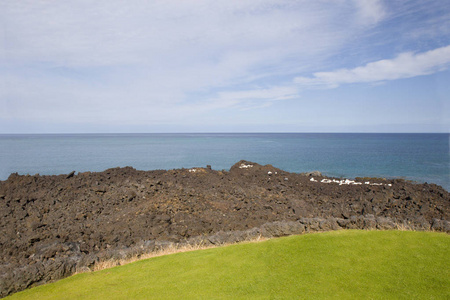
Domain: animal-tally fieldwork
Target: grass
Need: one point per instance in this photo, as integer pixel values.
(339, 265)
(173, 248)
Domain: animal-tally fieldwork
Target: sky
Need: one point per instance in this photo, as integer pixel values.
(110, 66)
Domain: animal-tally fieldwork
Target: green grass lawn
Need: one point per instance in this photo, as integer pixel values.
(339, 265)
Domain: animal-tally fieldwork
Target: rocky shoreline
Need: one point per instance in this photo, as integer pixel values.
(54, 226)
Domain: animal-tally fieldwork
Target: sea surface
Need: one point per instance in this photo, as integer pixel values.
(416, 157)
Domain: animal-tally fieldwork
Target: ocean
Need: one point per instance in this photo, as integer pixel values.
(416, 157)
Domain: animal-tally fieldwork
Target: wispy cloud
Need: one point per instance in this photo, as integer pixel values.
(370, 11)
(155, 62)
(271, 94)
(405, 65)
(81, 58)
(260, 97)
(109, 33)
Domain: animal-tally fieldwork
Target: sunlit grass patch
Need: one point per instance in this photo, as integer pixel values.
(339, 265)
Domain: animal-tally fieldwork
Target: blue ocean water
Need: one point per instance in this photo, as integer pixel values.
(417, 157)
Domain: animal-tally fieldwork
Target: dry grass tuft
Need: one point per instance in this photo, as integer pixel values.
(178, 248)
(403, 227)
(171, 249)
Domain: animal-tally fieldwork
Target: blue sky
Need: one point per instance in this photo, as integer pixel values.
(224, 66)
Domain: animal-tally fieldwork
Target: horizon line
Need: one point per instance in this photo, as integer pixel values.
(222, 132)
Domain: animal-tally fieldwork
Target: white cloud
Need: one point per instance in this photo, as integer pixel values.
(405, 65)
(371, 11)
(260, 97)
(156, 61)
(177, 34)
(271, 94)
(84, 59)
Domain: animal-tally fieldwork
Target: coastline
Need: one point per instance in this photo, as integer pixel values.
(58, 225)
(417, 157)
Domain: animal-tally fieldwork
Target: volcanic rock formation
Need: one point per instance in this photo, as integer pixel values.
(53, 226)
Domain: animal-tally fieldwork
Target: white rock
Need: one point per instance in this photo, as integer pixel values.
(244, 166)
